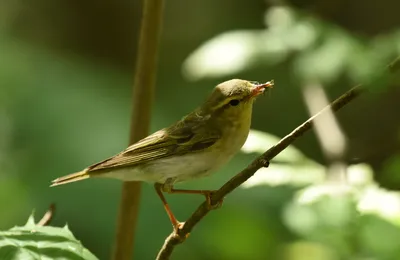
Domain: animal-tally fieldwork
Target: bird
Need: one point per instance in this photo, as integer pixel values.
(193, 147)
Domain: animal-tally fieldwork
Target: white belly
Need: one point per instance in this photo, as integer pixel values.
(178, 168)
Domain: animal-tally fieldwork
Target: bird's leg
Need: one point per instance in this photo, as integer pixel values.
(207, 193)
(175, 223)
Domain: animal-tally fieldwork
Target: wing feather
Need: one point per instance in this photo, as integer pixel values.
(178, 139)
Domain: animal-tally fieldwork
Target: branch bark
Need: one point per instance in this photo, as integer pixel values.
(179, 237)
(143, 92)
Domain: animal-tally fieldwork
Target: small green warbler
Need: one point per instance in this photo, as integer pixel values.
(191, 148)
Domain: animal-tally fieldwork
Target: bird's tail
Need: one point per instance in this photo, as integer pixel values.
(78, 176)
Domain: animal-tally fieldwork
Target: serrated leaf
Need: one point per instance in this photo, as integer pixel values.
(31, 221)
(41, 242)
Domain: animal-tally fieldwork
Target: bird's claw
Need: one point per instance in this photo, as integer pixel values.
(178, 226)
(210, 205)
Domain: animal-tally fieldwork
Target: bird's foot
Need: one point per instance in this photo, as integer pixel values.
(210, 205)
(177, 227)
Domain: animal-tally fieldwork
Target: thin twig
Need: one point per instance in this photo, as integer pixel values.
(143, 92)
(48, 216)
(179, 237)
(262, 161)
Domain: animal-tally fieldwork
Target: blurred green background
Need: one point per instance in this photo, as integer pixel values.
(66, 70)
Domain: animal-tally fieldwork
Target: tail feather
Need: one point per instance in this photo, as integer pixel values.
(78, 176)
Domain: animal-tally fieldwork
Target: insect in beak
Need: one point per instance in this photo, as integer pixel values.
(259, 88)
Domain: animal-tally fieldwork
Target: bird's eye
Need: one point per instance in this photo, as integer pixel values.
(234, 102)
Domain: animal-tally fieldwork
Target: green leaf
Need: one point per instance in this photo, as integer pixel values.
(379, 237)
(291, 166)
(307, 250)
(259, 142)
(236, 51)
(41, 242)
(349, 217)
(326, 62)
(225, 54)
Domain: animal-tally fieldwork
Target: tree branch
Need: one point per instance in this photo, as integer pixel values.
(143, 92)
(179, 237)
(262, 161)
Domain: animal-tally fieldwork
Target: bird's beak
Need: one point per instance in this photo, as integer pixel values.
(260, 88)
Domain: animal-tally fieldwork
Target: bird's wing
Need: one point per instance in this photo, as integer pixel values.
(172, 141)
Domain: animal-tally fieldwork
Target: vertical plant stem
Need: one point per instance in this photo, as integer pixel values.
(143, 92)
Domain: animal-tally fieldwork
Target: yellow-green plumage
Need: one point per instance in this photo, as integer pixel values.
(78, 176)
(192, 147)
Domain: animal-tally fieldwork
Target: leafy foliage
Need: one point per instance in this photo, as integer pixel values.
(33, 242)
(334, 220)
(316, 50)
(289, 167)
(64, 109)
